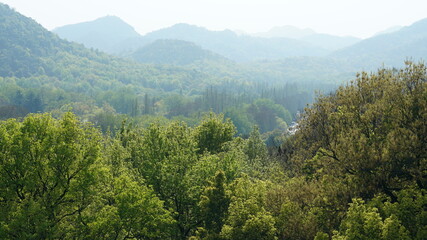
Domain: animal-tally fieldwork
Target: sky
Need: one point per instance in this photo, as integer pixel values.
(359, 18)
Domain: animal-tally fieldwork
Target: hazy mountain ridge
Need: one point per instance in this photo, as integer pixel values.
(174, 52)
(103, 33)
(388, 30)
(390, 49)
(227, 43)
(286, 31)
(326, 41)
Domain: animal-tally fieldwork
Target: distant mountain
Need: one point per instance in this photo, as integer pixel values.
(238, 47)
(330, 42)
(389, 30)
(286, 32)
(103, 33)
(106, 34)
(326, 41)
(391, 49)
(174, 52)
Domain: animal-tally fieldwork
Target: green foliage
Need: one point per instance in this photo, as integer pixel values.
(409, 209)
(48, 170)
(247, 217)
(152, 178)
(214, 205)
(255, 148)
(127, 209)
(268, 115)
(213, 132)
(364, 222)
(370, 131)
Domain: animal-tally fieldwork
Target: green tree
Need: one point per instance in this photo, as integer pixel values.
(365, 222)
(268, 115)
(247, 216)
(48, 170)
(255, 147)
(214, 205)
(369, 132)
(213, 132)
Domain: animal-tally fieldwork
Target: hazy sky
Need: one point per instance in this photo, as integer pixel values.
(361, 18)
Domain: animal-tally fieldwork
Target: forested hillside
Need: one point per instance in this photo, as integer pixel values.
(40, 72)
(355, 169)
(174, 141)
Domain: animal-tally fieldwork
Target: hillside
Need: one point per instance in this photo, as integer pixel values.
(42, 73)
(29, 50)
(103, 33)
(174, 52)
(390, 49)
(22, 43)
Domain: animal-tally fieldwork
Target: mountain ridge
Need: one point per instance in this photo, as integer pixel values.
(102, 33)
(390, 49)
(227, 43)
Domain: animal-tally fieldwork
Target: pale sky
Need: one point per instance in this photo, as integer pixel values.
(360, 18)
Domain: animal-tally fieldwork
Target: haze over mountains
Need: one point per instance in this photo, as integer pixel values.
(103, 33)
(326, 41)
(227, 43)
(390, 48)
(112, 35)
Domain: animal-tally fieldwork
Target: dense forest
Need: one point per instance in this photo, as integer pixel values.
(355, 169)
(172, 140)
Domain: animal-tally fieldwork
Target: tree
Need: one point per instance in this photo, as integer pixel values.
(213, 132)
(247, 216)
(48, 170)
(214, 205)
(365, 222)
(127, 209)
(369, 132)
(268, 115)
(255, 147)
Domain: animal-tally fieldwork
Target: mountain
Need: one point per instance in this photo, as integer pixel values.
(40, 72)
(330, 42)
(240, 48)
(390, 49)
(326, 41)
(389, 30)
(22, 43)
(174, 52)
(103, 33)
(27, 50)
(286, 32)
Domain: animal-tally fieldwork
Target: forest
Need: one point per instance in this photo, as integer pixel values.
(44, 73)
(355, 169)
(194, 145)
